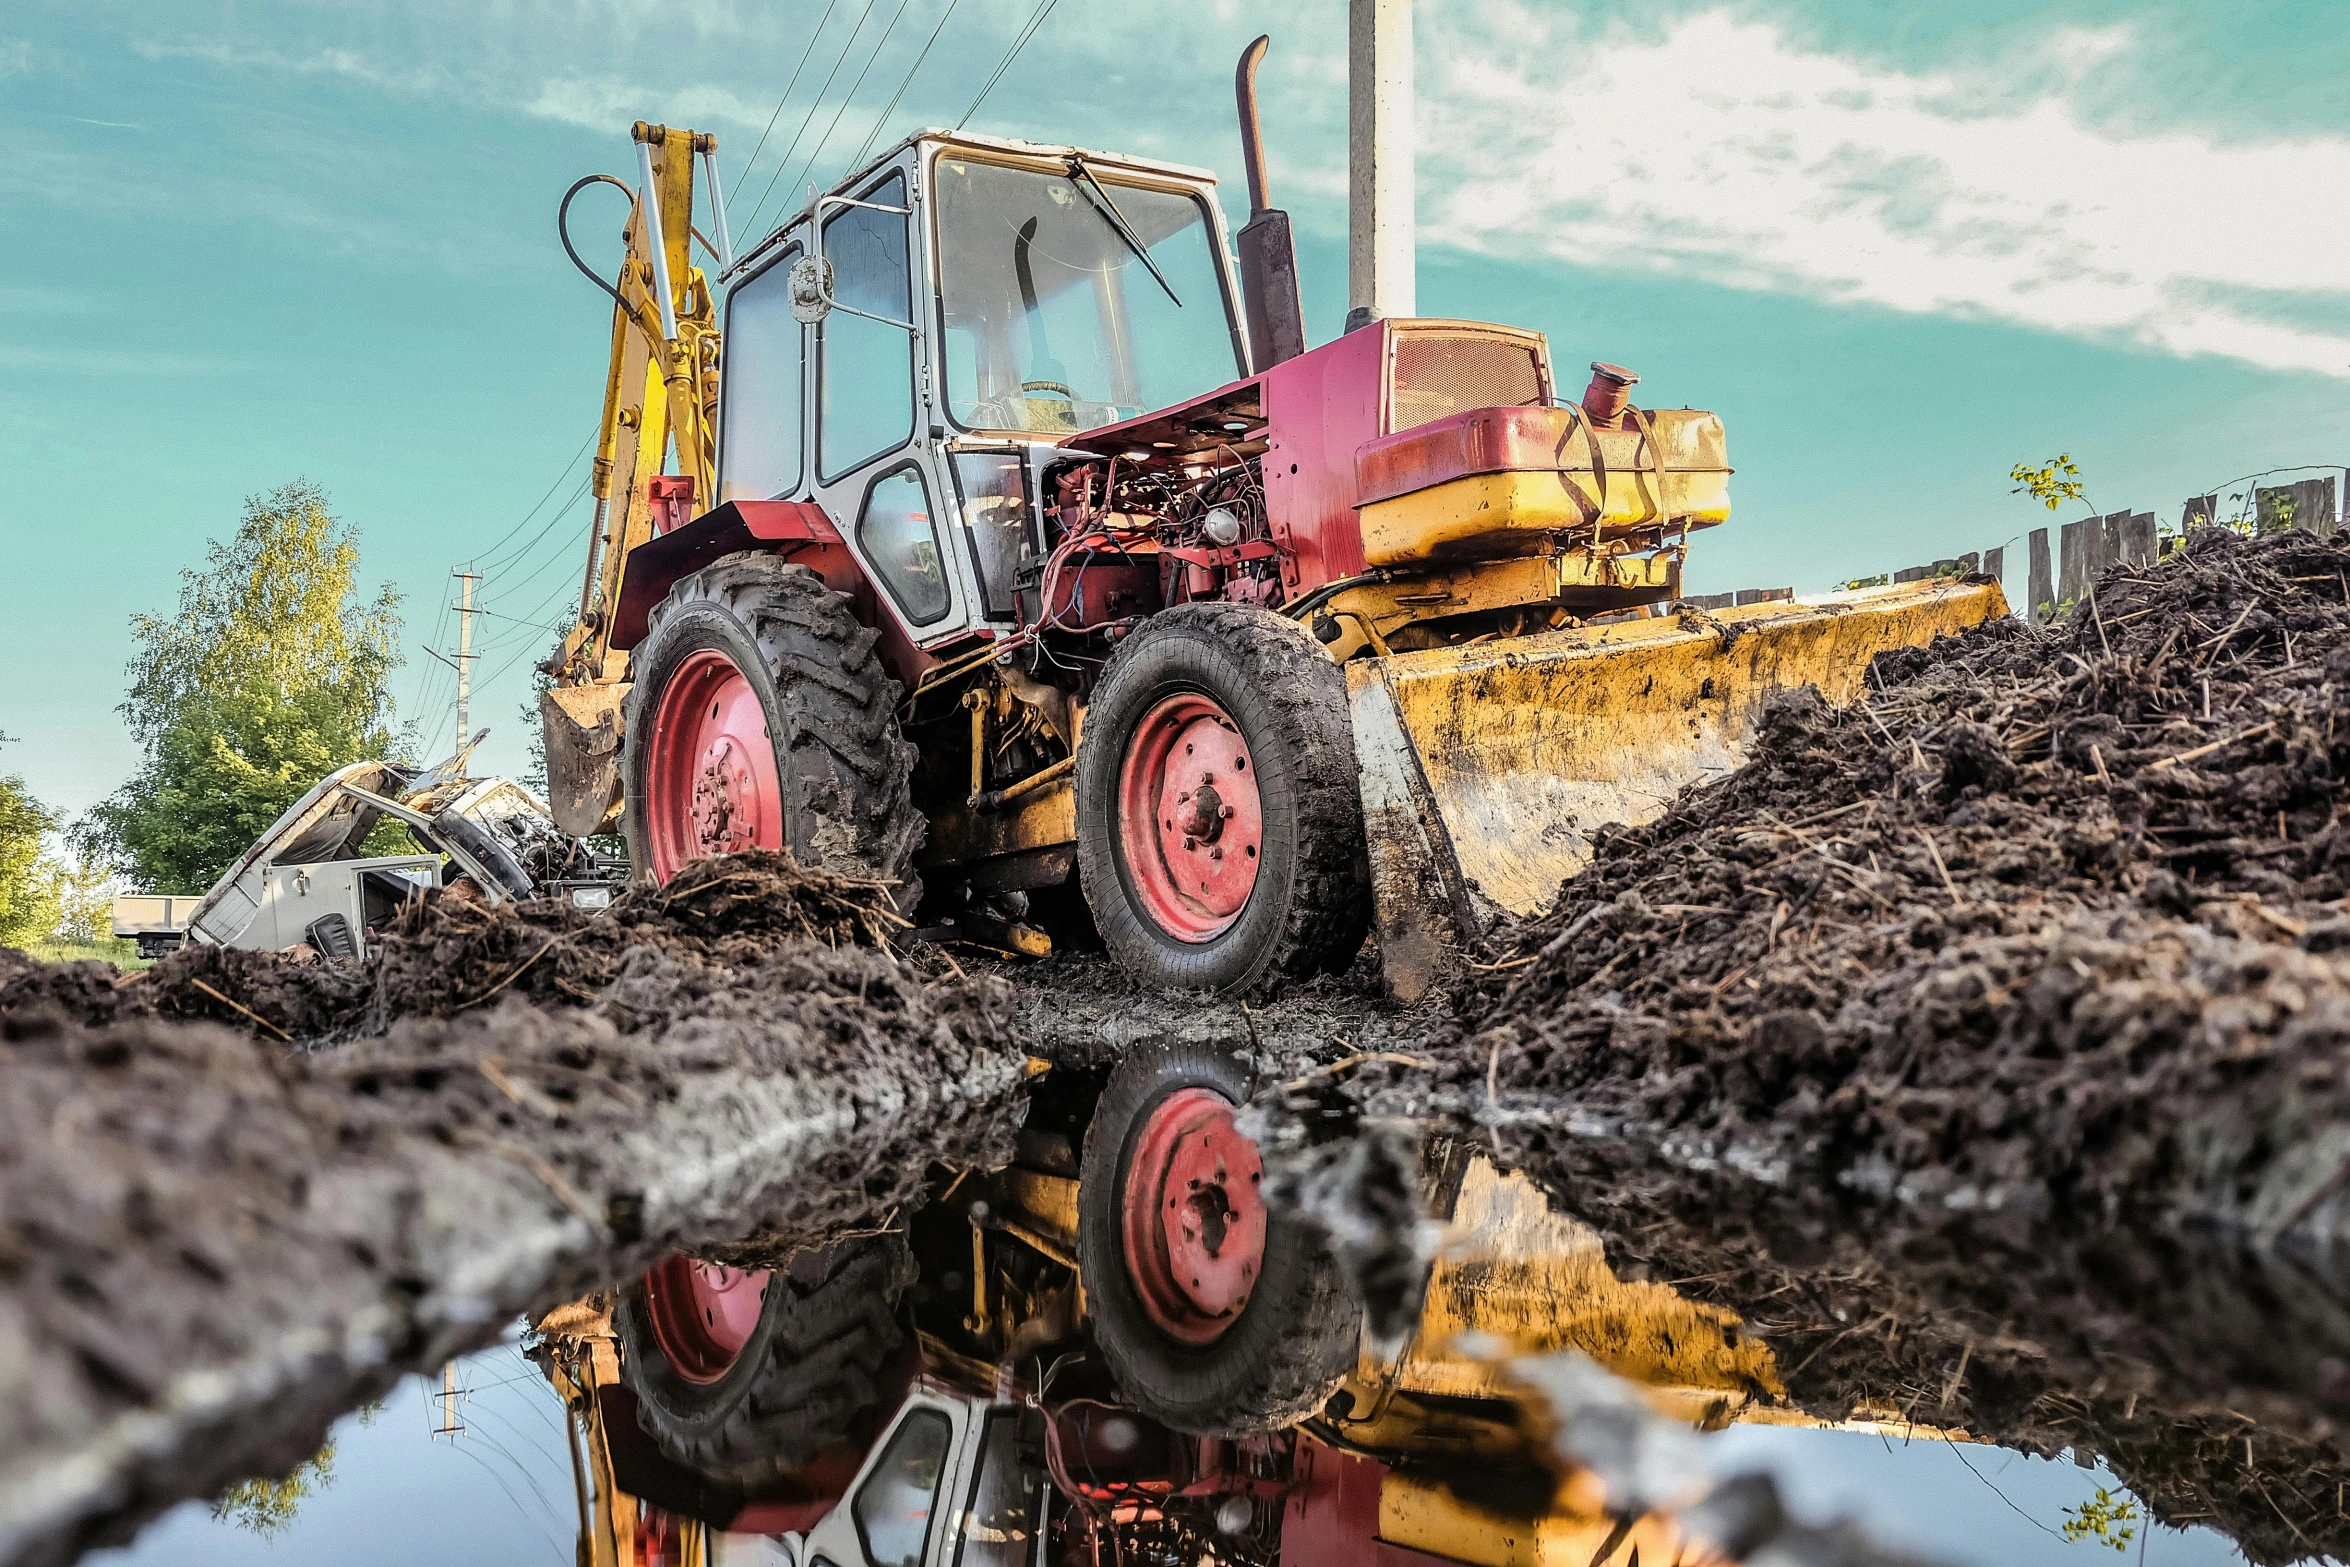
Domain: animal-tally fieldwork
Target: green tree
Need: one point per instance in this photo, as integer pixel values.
(29, 904)
(273, 672)
(85, 898)
(268, 1507)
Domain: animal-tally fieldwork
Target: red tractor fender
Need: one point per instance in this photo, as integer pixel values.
(797, 530)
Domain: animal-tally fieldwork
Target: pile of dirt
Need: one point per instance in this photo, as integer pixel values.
(2037, 954)
(211, 1244)
(452, 953)
(2047, 920)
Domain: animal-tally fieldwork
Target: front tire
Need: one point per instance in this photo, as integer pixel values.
(759, 716)
(1219, 823)
(1215, 1315)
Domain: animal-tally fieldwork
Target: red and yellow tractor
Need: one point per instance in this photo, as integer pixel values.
(981, 543)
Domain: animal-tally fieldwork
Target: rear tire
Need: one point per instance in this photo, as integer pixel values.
(1285, 1350)
(774, 642)
(816, 1360)
(1237, 673)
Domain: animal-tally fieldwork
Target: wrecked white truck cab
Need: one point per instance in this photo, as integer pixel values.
(308, 880)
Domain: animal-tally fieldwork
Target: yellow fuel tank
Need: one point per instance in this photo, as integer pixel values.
(1496, 483)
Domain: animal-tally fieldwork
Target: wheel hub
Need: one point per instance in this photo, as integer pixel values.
(703, 1313)
(711, 785)
(725, 799)
(1194, 1217)
(1190, 820)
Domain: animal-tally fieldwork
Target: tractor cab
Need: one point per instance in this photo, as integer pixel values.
(907, 352)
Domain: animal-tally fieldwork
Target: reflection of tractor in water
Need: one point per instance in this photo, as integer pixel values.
(1114, 1345)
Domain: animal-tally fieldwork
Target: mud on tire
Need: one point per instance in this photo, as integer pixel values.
(1296, 1337)
(831, 712)
(817, 1359)
(1310, 907)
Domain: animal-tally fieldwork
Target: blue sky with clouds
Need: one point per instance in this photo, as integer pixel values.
(1899, 247)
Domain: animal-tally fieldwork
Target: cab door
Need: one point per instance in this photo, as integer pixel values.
(899, 1512)
(877, 472)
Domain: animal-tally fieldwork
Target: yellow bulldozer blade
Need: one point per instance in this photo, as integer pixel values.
(582, 728)
(1486, 769)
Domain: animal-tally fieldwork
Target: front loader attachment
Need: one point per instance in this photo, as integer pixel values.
(582, 729)
(1486, 769)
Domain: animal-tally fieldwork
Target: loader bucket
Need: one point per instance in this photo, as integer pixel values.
(1486, 769)
(582, 727)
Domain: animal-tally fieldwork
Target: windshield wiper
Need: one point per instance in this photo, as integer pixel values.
(1117, 220)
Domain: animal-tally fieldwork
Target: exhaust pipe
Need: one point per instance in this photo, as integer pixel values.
(1268, 254)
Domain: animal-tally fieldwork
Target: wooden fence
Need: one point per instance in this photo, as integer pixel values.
(2087, 547)
(2057, 580)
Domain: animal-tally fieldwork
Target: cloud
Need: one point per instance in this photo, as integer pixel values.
(602, 103)
(348, 63)
(1719, 149)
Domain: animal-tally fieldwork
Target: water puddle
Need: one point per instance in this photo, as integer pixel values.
(1564, 1398)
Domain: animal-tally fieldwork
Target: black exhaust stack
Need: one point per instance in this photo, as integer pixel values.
(1268, 256)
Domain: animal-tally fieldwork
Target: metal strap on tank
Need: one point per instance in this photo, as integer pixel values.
(1576, 420)
(1656, 452)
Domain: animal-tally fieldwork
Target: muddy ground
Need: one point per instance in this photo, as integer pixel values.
(212, 1243)
(2026, 980)
(1981, 1042)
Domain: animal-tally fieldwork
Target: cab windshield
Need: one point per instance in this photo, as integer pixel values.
(1054, 322)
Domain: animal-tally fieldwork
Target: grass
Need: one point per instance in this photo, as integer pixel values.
(122, 954)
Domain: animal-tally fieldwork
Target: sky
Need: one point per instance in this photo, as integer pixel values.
(1898, 247)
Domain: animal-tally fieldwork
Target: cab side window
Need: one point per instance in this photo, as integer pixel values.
(868, 366)
(759, 426)
(898, 533)
(898, 1500)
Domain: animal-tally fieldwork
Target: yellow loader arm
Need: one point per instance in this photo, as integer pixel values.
(660, 394)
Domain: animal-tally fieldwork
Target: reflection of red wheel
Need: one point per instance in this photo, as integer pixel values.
(710, 782)
(743, 1378)
(1189, 819)
(1213, 1314)
(702, 1314)
(1194, 1221)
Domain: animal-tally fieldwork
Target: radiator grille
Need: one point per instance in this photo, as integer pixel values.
(1438, 376)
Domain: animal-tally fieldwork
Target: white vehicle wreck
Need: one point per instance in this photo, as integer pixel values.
(309, 880)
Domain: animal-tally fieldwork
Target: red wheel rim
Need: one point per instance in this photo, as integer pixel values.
(1194, 1219)
(702, 1314)
(710, 780)
(1190, 825)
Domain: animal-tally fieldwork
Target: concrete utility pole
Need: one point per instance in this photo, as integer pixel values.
(465, 656)
(1380, 274)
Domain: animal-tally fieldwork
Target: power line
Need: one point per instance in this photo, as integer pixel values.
(551, 489)
(1044, 8)
(743, 178)
(752, 227)
(851, 95)
(522, 552)
(872, 135)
